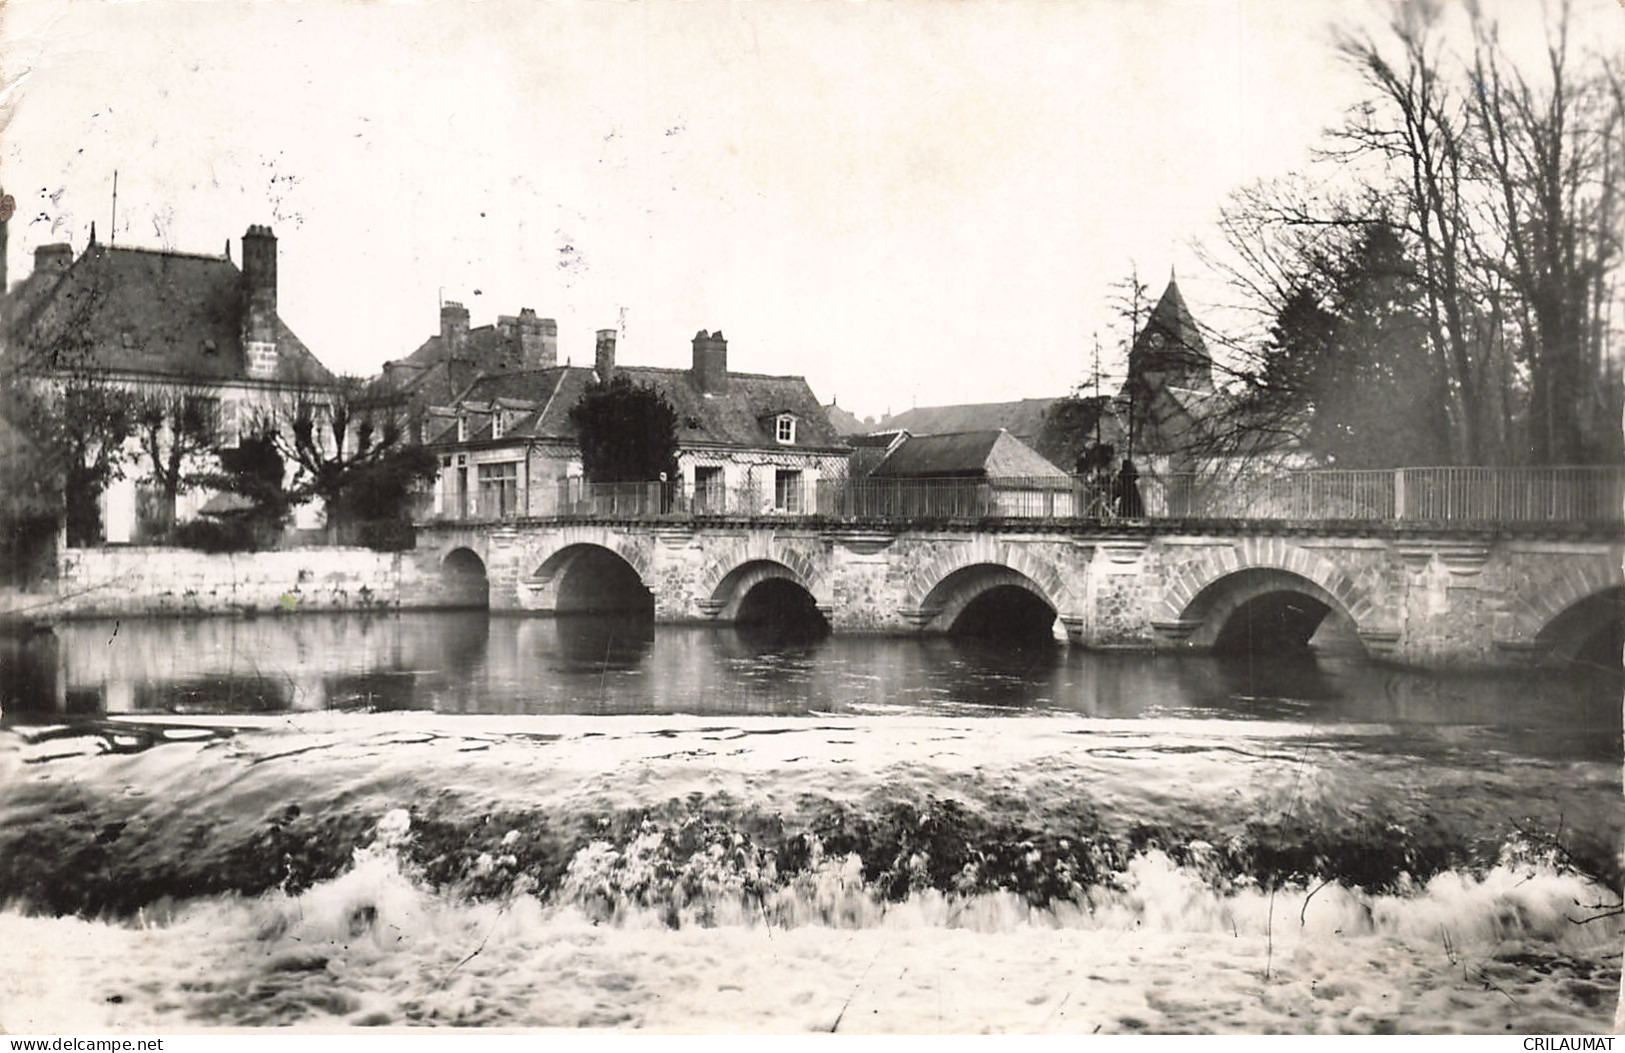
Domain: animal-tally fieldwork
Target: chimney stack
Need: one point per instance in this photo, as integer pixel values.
(259, 302)
(711, 362)
(53, 259)
(604, 360)
(454, 328)
(538, 340)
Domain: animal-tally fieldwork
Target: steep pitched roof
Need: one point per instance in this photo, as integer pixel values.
(1023, 418)
(881, 440)
(434, 384)
(845, 422)
(486, 346)
(742, 416)
(1171, 343)
(170, 314)
(989, 454)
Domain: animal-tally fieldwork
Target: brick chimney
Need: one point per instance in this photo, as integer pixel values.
(259, 303)
(454, 328)
(604, 359)
(53, 259)
(711, 362)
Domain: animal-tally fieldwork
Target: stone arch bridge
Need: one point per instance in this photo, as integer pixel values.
(1439, 598)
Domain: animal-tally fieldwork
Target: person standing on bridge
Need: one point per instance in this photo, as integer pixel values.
(1129, 505)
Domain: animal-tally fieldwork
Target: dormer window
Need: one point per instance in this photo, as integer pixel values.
(496, 425)
(462, 428)
(785, 428)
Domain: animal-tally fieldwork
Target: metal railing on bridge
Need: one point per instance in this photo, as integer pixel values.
(1589, 495)
(1034, 497)
(578, 499)
(1414, 495)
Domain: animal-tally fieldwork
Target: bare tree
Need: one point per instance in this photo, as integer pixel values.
(1415, 123)
(346, 445)
(1549, 156)
(177, 429)
(1503, 188)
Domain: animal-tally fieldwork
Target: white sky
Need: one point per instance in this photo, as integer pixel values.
(908, 202)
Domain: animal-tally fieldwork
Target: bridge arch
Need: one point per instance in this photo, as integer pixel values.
(1588, 632)
(1008, 592)
(636, 550)
(463, 578)
(583, 577)
(1256, 607)
(770, 604)
(939, 591)
(720, 578)
(1194, 589)
(1551, 607)
(730, 594)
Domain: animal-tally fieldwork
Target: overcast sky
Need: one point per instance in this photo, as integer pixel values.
(908, 203)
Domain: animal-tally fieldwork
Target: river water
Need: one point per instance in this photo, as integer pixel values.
(455, 819)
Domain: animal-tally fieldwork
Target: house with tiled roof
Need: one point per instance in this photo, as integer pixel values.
(747, 443)
(1047, 425)
(966, 454)
(962, 474)
(157, 320)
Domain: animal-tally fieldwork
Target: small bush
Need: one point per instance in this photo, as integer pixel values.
(386, 535)
(225, 535)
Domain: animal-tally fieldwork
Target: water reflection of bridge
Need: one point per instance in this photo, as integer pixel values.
(450, 662)
(1430, 566)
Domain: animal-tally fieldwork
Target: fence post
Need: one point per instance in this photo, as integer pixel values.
(1399, 493)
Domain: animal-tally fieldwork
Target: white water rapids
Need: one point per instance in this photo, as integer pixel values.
(686, 893)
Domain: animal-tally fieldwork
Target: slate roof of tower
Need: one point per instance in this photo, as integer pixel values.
(152, 311)
(1170, 340)
(742, 416)
(1173, 317)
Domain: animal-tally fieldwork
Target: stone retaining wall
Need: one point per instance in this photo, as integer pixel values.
(128, 581)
